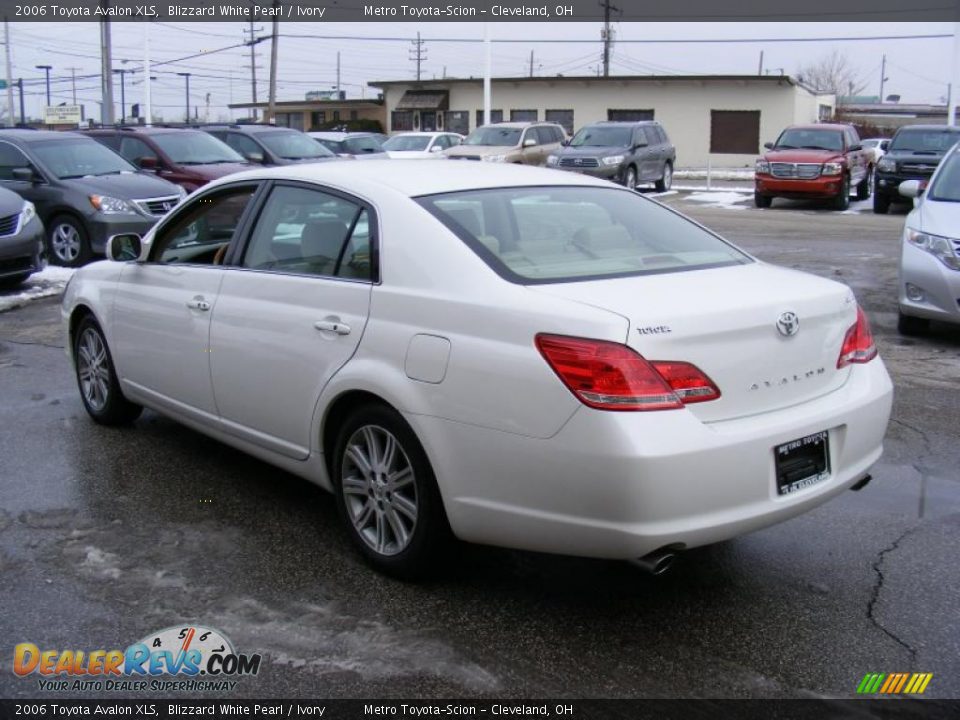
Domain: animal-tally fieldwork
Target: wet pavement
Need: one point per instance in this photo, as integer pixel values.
(107, 535)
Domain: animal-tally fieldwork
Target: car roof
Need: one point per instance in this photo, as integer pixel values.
(26, 135)
(337, 134)
(519, 125)
(247, 128)
(139, 130)
(624, 123)
(820, 126)
(406, 177)
(941, 128)
(423, 133)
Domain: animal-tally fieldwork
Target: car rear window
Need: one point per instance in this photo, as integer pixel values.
(532, 235)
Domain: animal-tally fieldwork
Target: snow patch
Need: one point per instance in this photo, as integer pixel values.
(715, 174)
(725, 200)
(47, 283)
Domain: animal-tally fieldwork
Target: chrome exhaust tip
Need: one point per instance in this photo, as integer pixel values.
(657, 562)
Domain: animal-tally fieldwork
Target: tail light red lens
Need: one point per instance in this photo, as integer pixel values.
(858, 345)
(610, 376)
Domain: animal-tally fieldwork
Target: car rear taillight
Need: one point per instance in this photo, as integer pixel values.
(610, 376)
(858, 346)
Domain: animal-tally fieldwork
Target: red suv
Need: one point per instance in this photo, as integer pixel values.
(814, 161)
(186, 157)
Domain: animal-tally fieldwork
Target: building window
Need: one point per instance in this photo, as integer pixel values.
(457, 121)
(495, 117)
(629, 115)
(401, 120)
(353, 115)
(563, 118)
(318, 118)
(735, 132)
(281, 119)
(523, 116)
(336, 115)
(825, 113)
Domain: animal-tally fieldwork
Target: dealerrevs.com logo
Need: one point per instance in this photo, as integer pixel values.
(190, 659)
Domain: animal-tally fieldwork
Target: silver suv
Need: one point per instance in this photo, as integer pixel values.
(526, 143)
(624, 152)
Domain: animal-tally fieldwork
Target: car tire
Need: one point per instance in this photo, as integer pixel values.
(881, 204)
(67, 242)
(630, 179)
(666, 179)
(8, 283)
(762, 201)
(865, 186)
(400, 529)
(97, 378)
(842, 200)
(909, 325)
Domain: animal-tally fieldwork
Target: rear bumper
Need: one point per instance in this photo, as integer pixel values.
(821, 187)
(940, 286)
(620, 485)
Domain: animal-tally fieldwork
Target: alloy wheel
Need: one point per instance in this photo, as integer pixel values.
(379, 489)
(65, 242)
(93, 369)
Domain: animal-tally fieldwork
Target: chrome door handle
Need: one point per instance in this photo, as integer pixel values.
(198, 303)
(333, 326)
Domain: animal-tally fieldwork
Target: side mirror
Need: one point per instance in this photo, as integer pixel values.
(124, 247)
(254, 157)
(565, 143)
(25, 174)
(911, 189)
(855, 148)
(436, 149)
(768, 145)
(529, 142)
(147, 163)
(884, 145)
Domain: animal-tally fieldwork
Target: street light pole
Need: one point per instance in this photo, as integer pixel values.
(46, 69)
(187, 76)
(123, 92)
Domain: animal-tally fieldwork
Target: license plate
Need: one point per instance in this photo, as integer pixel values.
(802, 463)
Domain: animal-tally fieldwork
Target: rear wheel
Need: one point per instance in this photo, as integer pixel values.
(630, 179)
(842, 200)
(67, 242)
(97, 379)
(762, 201)
(881, 204)
(387, 495)
(866, 185)
(666, 180)
(908, 325)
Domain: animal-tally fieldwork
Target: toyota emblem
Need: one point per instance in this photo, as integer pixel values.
(788, 324)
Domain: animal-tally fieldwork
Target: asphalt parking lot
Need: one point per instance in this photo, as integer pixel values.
(107, 535)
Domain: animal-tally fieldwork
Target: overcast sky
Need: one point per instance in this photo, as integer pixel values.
(918, 70)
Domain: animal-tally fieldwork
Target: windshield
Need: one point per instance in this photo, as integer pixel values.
(928, 142)
(534, 235)
(293, 145)
(810, 138)
(188, 147)
(78, 157)
(361, 145)
(599, 136)
(946, 186)
(407, 143)
(496, 136)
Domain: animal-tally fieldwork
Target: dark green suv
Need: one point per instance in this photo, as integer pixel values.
(914, 154)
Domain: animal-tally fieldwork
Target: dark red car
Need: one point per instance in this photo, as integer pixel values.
(822, 161)
(186, 157)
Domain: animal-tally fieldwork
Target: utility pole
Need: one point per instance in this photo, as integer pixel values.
(23, 114)
(883, 76)
(123, 92)
(607, 34)
(252, 42)
(531, 63)
(338, 74)
(148, 106)
(46, 69)
(273, 65)
(6, 39)
(187, 76)
(487, 64)
(418, 53)
(73, 82)
(106, 68)
(952, 105)
(760, 67)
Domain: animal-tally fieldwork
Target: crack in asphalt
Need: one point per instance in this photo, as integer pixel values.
(25, 342)
(871, 605)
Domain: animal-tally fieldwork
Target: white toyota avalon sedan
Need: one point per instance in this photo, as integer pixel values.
(517, 356)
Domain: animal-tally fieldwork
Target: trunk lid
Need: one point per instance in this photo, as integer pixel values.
(725, 321)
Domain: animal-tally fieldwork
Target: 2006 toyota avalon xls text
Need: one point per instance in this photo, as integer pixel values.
(516, 356)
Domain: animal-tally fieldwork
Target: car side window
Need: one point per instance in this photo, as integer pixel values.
(111, 141)
(442, 142)
(133, 149)
(10, 159)
(544, 135)
(202, 229)
(309, 232)
(242, 144)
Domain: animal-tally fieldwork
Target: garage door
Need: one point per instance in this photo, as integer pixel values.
(735, 132)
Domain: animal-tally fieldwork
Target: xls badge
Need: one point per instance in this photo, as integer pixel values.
(185, 653)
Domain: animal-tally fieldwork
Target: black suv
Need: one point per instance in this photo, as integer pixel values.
(913, 154)
(270, 145)
(83, 192)
(625, 152)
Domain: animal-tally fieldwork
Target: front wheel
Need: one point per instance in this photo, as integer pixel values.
(865, 186)
(762, 201)
(666, 180)
(630, 179)
(67, 241)
(387, 495)
(881, 204)
(908, 325)
(842, 200)
(97, 379)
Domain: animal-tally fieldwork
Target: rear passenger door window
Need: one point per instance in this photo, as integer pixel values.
(309, 232)
(243, 145)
